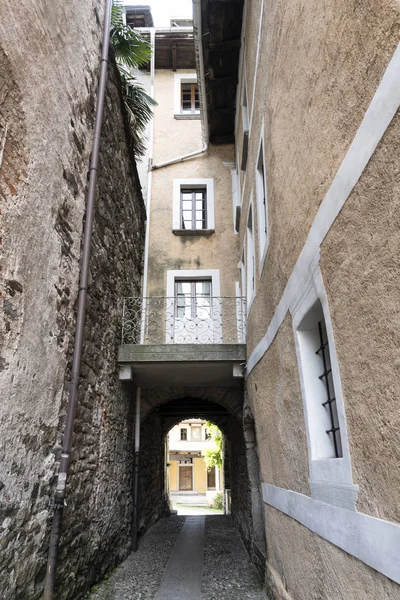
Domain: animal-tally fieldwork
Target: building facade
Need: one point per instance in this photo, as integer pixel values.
(187, 469)
(300, 128)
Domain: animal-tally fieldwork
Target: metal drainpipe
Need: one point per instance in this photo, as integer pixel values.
(135, 520)
(59, 499)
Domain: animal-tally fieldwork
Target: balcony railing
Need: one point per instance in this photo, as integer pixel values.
(184, 320)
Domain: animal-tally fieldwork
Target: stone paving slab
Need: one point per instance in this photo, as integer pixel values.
(183, 574)
(220, 562)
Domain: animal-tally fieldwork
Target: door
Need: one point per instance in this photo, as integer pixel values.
(185, 479)
(193, 322)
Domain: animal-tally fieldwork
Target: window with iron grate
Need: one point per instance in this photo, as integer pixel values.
(319, 386)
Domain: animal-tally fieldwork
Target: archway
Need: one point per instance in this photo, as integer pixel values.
(162, 409)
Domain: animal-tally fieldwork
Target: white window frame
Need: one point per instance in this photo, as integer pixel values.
(250, 258)
(330, 479)
(180, 78)
(262, 212)
(176, 205)
(192, 274)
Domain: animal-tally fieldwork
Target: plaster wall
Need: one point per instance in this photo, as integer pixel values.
(173, 476)
(167, 251)
(313, 86)
(303, 566)
(172, 137)
(199, 476)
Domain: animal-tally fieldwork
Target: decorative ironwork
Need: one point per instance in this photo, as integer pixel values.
(191, 320)
(326, 376)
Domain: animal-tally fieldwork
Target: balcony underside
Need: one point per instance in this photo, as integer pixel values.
(169, 365)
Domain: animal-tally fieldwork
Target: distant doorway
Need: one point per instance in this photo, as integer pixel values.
(185, 478)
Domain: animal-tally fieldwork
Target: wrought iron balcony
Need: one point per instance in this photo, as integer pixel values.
(184, 320)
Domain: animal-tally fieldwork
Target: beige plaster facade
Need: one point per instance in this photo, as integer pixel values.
(308, 90)
(167, 251)
(322, 101)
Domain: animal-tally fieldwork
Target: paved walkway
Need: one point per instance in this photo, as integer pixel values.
(192, 504)
(186, 558)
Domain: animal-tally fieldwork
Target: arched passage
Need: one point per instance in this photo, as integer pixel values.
(161, 410)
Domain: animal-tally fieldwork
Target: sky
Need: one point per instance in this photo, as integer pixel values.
(162, 10)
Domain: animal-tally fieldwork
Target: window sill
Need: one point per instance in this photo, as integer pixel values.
(193, 231)
(188, 116)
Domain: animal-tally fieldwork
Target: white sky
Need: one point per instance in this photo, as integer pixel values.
(162, 10)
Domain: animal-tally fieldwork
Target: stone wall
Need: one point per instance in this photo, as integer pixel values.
(152, 500)
(47, 115)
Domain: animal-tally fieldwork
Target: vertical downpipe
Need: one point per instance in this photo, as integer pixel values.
(135, 519)
(59, 499)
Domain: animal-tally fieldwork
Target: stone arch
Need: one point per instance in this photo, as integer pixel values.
(224, 406)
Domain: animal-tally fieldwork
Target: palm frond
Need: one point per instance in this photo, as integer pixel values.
(129, 47)
(132, 51)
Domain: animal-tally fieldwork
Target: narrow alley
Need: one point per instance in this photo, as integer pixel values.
(186, 558)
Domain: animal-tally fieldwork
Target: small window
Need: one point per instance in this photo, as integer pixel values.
(190, 102)
(262, 206)
(195, 434)
(319, 387)
(211, 478)
(134, 19)
(184, 435)
(194, 208)
(251, 283)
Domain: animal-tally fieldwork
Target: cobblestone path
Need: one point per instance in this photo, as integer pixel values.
(186, 558)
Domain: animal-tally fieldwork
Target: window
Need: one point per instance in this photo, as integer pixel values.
(245, 124)
(195, 434)
(193, 300)
(319, 386)
(184, 436)
(262, 206)
(251, 282)
(135, 20)
(324, 412)
(193, 314)
(186, 96)
(193, 207)
(190, 101)
(211, 478)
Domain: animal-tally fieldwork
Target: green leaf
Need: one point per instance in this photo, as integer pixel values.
(132, 51)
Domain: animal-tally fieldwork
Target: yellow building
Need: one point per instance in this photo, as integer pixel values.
(187, 470)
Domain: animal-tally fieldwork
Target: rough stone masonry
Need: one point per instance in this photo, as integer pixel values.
(49, 57)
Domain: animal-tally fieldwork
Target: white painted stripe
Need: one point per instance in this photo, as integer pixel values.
(380, 113)
(373, 541)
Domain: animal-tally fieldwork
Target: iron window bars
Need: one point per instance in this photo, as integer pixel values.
(194, 208)
(330, 402)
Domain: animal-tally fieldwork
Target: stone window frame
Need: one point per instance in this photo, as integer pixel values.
(179, 79)
(330, 479)
(250, 248)
(177, 186)
(262, 209)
